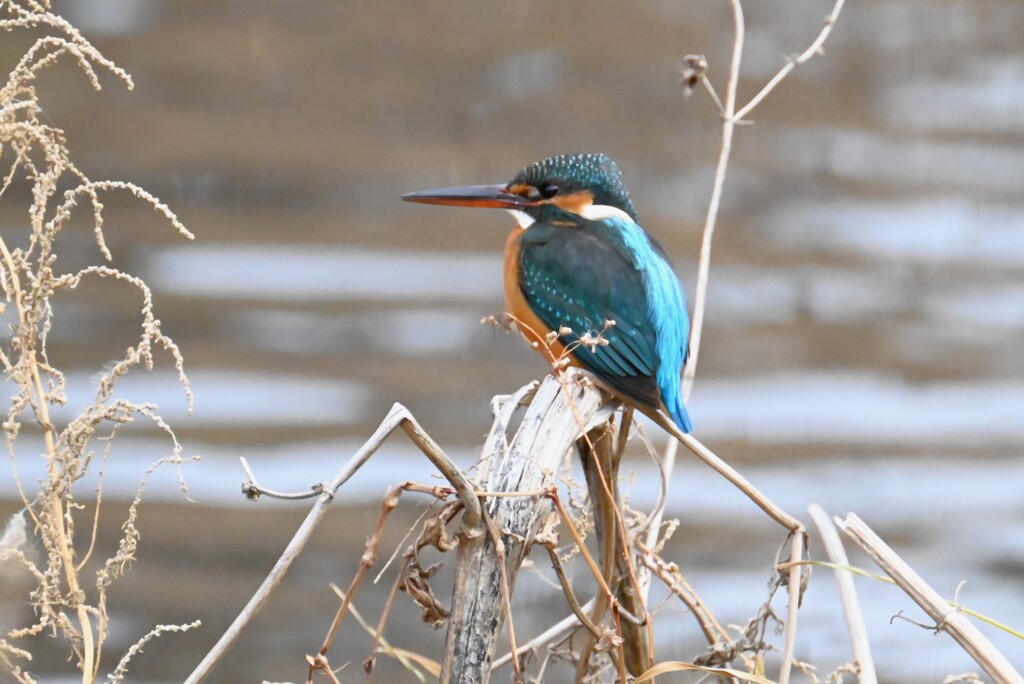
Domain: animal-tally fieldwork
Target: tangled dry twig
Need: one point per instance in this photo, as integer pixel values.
(39, 164)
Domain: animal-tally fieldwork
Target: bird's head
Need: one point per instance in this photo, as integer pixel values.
(565, 186)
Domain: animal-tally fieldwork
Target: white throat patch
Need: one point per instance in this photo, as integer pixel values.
(598, 212)
(522, 218)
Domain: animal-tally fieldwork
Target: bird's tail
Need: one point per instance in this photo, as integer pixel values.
(680, 416)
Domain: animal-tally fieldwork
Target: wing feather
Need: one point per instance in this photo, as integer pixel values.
(571, 278)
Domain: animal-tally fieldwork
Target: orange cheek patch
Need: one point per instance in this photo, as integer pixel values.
(574, 203)
(521, 189)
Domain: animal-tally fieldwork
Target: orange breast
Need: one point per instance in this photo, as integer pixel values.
(515, 304)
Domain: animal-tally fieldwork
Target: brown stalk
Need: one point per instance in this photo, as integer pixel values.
(570, 595)
(325, 495)
(368, 664)
(677, 584)
(506, 593)
(947, 618)
(41, 407)
(606, 494)
(367, 561)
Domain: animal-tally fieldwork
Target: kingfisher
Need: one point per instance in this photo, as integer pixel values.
(583, 280)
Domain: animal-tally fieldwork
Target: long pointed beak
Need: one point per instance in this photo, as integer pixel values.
(495, 196)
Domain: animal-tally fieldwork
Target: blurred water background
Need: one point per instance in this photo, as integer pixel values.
(863, 347)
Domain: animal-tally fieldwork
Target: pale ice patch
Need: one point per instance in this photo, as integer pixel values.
(998, 306)
(222, 397)
(111, 17)
(933, 230)
(318, 273)
(916, 162)
(741, 295)
(427, 333)
(865, 409)
(412, 332)
(986, 97)
(217, 478)
(744, 295)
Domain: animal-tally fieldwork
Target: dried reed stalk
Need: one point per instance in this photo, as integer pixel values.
(947, 618)
(68, 603)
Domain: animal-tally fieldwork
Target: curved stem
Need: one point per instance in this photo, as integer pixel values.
(704, 268)
(728, 126)
(793, 63)
(42, 409)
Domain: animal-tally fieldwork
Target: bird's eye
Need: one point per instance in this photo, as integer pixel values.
(548, 191)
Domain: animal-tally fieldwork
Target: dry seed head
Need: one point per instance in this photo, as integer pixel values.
(36, 152)
(14, 537)
(694, 68)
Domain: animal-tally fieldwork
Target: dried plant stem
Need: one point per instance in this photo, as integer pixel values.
(796, 554)
(811, 51)
(600, 466)
(37, 153)
(607, 482)
(570, 596)
(378, 634)
(704, 268)
(947, 618)
(728, 472)
(398, 417)
(42, 409)
(367, 561)
(677, 584)
(122, 667)
(667, 466)
(730, 118)
(385, 646)
(610, 524)
(551, 634)
(577, 539)
(847, 594)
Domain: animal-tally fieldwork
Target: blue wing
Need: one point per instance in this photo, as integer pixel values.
(581, 276)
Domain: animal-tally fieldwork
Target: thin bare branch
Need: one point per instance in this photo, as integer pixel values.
(378, 634)
(397, 417)
(795, 588)
(122, 667)
(570, 595)
(253, 490)
(677, 584)
(814, 49)
(727, 471)
(366, 561)
(947, 618)
(548, 636)
(704, 267)
(847, 594)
